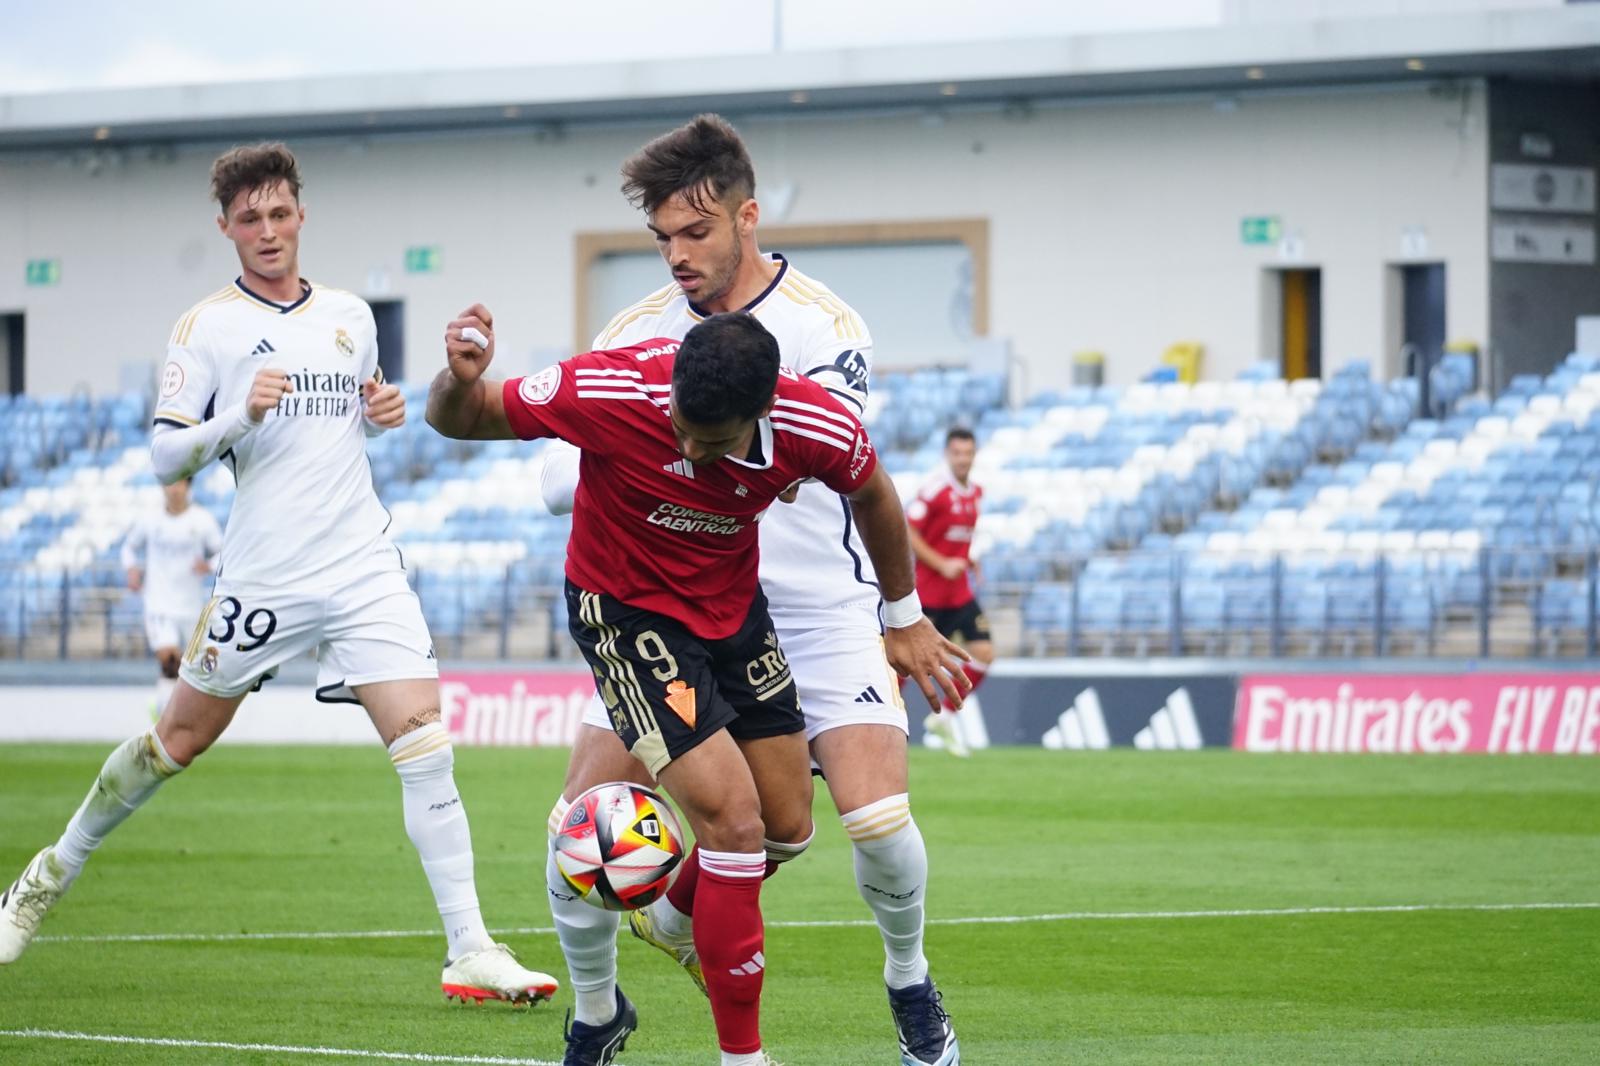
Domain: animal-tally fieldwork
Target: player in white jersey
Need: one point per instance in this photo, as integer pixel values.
(167, 555)
(279, 379)
(696, 186)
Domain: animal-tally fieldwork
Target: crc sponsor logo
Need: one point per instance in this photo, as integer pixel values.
(680, 519)
(540, 388)
(768, 672)
(1491, 713)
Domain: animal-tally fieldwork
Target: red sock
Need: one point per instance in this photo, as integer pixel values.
(681, 894)
(729, 936)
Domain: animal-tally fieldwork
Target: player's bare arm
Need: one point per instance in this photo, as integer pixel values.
(462, 404)
(915, 650)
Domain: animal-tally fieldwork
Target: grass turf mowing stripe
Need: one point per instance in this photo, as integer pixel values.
(853, 923)
(276, 1049)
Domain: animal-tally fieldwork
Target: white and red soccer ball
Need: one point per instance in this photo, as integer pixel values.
(619, 846)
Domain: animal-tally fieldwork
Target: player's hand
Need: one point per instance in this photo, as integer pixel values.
(269, 387)
(468, 358)
(135, 579)
(790, 494)
(202, 567)
(386, 407)
(951, 567)
(934, 663)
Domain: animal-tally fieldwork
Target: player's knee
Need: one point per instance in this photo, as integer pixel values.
(423, 752)
(787, 850)
(983, 651)
(732, 830)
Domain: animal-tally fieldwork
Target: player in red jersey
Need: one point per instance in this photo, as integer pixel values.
(684, 449)
(942, 519)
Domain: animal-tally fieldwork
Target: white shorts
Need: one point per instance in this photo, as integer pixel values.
(367, 629)
(168, 630)
(840, 671)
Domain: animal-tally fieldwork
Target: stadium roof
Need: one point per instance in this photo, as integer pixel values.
(1549, 43)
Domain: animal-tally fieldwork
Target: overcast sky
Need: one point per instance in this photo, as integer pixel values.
(78, 44)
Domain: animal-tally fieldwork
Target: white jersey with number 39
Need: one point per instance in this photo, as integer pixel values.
(812, 559)
(305, 501)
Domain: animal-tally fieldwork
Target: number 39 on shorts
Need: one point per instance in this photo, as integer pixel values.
(226, 618)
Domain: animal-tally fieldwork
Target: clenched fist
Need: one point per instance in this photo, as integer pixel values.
(269, 387)
(386, 407)
(468, 358)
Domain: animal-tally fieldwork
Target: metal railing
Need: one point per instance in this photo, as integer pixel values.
(1489, 603)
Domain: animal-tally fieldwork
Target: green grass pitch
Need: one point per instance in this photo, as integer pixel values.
(302, 840)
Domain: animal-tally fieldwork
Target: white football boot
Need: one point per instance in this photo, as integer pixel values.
(943, 725)
(495, 973)
(24, 905)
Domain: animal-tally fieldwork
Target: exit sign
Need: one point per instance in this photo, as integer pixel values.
(424, 259)
(1263, 229)
(44, 272)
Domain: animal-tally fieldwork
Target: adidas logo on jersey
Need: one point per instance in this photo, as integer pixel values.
(264, 347)
(683, 468)
(869, 695)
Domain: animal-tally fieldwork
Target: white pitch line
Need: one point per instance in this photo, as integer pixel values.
(276, 1049)
(855, 923)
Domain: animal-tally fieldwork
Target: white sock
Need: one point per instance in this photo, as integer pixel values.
(131, 775)
(670, 922)
(892, 876)
(753, 1058)
(164, 687)
(588, 938)
(436, 822)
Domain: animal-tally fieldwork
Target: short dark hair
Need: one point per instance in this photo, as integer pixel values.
(726, 368)
(253, 166)
(960, 433)
(704, 157)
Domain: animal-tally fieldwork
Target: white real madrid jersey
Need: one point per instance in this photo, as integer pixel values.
(169, 548)
(812, 559)
(305, 501)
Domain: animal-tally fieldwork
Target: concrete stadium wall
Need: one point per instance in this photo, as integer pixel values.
(1113, 226)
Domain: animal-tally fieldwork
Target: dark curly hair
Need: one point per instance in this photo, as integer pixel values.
(705, 157)
(253, 166)
(726, 369)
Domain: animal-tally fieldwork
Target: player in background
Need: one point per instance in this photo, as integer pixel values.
(942, 519)
(696, 187)
(279, 378)
(684, 448)
(167, 555)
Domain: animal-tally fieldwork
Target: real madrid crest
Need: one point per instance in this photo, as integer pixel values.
(342, 341)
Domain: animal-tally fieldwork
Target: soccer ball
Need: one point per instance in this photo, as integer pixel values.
(619, 846)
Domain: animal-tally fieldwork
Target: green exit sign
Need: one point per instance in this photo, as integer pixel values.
(44, 272)
(1264, 229)
(424, 259)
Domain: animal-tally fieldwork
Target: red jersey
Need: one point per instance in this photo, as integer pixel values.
(653, 530)
(944, 514)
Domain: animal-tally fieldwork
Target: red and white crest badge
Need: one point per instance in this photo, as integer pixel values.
(540, 388)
